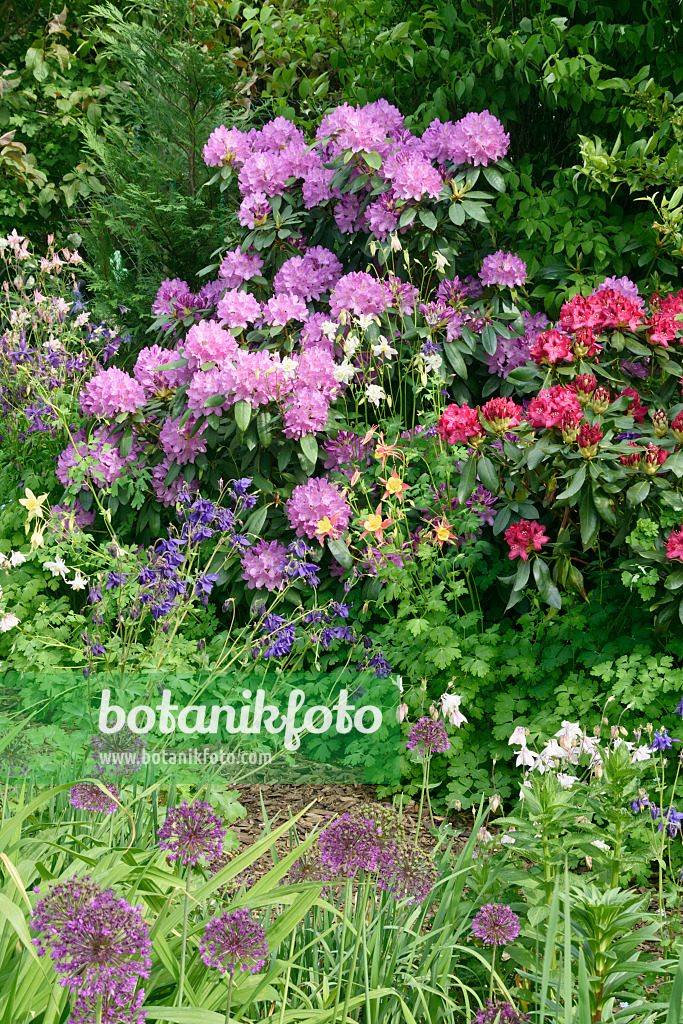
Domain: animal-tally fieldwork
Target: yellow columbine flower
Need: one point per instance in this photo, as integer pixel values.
(33, 505)
(327, 527)
(37, 539)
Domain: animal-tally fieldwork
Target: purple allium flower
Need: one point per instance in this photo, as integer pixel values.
(495, 924)
(117, 752)
(413, 874)
(234, 939)
(428, 737)
(190, 832)
(662, 740)
(98, 942)
(358, 842)
(499, 1013)
(503, 268)
(90, 797)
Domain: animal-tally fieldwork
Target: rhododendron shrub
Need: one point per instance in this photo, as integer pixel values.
(579, 463)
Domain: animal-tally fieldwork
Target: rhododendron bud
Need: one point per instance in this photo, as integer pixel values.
(551, 347)
(601, 400)
(584, 385)
(584, 344)
(677, 427)
(500, 414)
(674, 545)
(570, 427)
(654, 458)
(460, 424)
(660, 423)
(632, 461)
(524, 538)
(589, 439)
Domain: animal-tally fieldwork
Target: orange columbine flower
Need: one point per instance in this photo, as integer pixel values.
(374, 524)
(394, 486)
(443, 533)
(327, 527)
(384, 451)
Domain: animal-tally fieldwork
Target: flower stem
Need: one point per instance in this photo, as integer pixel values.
(98, 1010)
(425, 783)
(227, 1009)
(493, 964)
(181, 983)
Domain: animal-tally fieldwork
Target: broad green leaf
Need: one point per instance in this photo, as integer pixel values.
(588, 518)
(575, 484)
(456, 213)
(675, 580)
(489, 340)
(256, 521)
(468, 479)
(340, 551)
(455, 359)
(309, 446)
(428, 219)
(546, 587)
(638, 492)
(488, 475)
(242, 414)
(214, 400)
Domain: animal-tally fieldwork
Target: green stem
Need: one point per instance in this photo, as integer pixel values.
(347, 904)
(493, 964)
(425, 783)
(181, 983)
(360, 918)
(98, 1010)
(227, 1009)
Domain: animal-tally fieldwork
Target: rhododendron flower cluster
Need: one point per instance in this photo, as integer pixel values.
(459, 424)
(112, 392)
(524, 538)
(503, 268)
(312, 504)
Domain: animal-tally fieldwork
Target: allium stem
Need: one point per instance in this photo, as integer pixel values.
(227, 1009)
(425, 784)
(181, 983)
(360, 918)
(493, 967)
(98, 1010)
(347, 902)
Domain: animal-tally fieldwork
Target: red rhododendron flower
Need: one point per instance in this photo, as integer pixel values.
(459, 424)
(551, 347)
(501, 414)
(654, 458)
(674, 545)
(524, 538)
(636, 407)
(550, 405)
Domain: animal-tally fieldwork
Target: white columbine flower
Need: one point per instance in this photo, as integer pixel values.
(450, 709)
(16, 558)
(344, 372)
(329, 329)
(79, 582)
(506, 840)
(526, 757)
(601, 845)
(289, 366)
(642, 753)
(7, 622)
(383, 348)
(518, 738)
(351, 345)
(566, 781)
(365, 319)
(433, 362)
(375, 394)
(440, 261)
(58, 567)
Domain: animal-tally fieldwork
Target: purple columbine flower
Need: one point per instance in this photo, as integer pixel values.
(381, 666)
(241, 486)
(678, 710)
(499, 1013)
(205, 582)
(234, 939)
(90, 797)
(670, 819)
(190, 832)
(639, 805)
(495, 924)
(428, 737)
(116, 579)
(662, 740)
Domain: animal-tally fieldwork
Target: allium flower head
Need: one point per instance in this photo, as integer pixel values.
(495, 924)
(361, 840)
(428, 737)
(90, 797)
(499, 1013)
(119, 753)
(192, 831)
(234, 939)
(503, 268)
